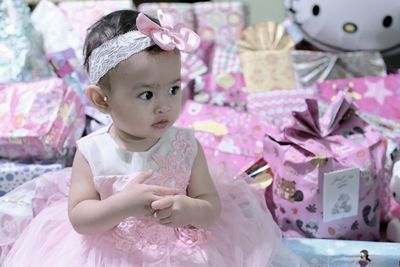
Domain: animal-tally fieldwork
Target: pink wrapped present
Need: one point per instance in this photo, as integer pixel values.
(224, 89)
(40, 120)
(328, 173)
(379, 96)
(182, 12)
(277, 106)
(225, 58)
(230, 139)
(220, 20)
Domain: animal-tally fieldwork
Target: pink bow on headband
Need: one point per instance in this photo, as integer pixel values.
(168, 35)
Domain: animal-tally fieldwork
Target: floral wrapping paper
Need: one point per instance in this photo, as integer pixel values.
(306, 152)
(313, 66)
(22, 57)
(264, 52)
(40, 120)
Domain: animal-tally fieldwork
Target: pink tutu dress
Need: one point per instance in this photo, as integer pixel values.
(244, 235)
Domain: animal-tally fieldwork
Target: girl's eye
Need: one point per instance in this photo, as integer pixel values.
(174, 90)
(146, 95)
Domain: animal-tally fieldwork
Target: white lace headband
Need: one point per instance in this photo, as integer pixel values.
(168, 36)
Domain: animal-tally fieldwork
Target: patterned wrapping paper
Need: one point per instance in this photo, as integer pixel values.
(341, 253)
(82, 14)
(192, 67)
(20, 44)
(14, 174)
(220, 20)
(40, 120)
(378, 96)
(230, 139)
(276, 106)
(264, 52)
(225, 58)
(224, 89)
(182, 12)
(328, 173)
(313, 66)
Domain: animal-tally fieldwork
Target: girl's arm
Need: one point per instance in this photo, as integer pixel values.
(90, 215)
(200, 208)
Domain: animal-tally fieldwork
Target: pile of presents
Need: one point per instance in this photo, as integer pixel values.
(318, 132)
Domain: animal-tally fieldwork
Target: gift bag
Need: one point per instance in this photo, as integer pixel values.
(21, 48)
(314, 66)
(264, 52)
(39, 120)
(230, 139)
(328, 173)
(379, 95)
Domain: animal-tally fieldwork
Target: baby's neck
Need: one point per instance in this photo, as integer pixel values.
(131, 143)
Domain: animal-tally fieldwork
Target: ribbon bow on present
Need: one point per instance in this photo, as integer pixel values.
(312, 66)
(169, 35)
(265, 36)
(316, 134)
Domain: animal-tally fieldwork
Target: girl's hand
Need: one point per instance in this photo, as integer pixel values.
(138, 196)
(172, 210)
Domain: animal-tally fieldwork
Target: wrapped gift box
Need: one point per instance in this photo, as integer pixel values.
(264, 52)
(182, 12)
(39, 120)
(220, 20)
(328, 173)
(225, 58)
(277, 106)
(13, 174)
(223, 89)
(230, 139)
(341, 253)
(21, 51)
(378, 95)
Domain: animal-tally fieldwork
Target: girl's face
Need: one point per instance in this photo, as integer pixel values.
(145, 94)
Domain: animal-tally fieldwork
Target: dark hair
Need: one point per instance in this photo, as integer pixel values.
(365, 252)
(108, 27)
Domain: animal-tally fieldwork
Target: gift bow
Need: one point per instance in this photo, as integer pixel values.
(169, 35)
(307, 123)
(313, 66)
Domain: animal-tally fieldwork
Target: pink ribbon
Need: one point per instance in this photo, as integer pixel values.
(169, 35)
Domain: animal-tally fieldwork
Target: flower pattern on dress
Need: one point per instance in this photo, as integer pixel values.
(147, 234)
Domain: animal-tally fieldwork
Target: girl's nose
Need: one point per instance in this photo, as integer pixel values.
(163, 107)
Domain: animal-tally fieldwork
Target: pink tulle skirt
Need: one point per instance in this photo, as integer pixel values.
(244, 235)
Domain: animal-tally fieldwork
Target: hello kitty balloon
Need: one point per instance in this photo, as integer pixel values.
(348, 25)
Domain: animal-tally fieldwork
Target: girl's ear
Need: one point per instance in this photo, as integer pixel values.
(96, 96)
